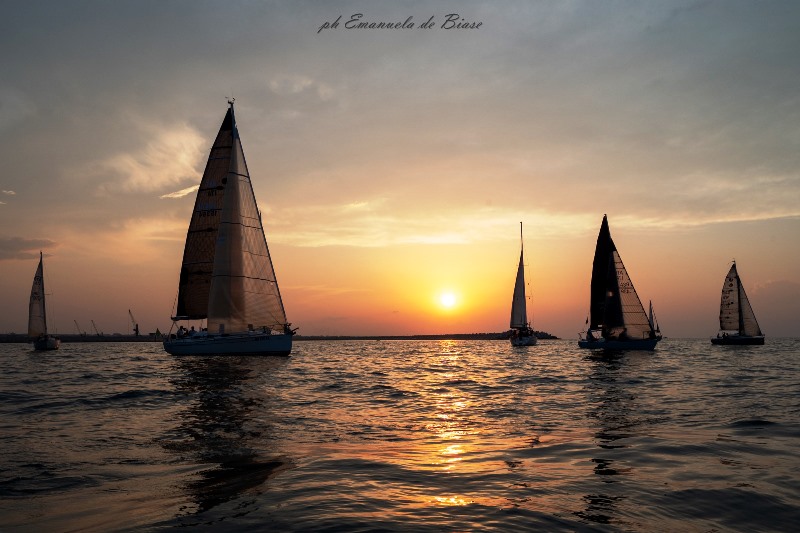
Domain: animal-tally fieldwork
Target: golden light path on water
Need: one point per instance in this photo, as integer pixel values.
(402, 435)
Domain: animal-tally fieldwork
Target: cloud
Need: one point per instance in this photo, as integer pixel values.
(9, 193)
(380, 222)
(19, 248)
(295, 84)
(181, 193)
(170, 156)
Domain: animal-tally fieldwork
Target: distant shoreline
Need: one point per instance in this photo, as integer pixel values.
(18, 338)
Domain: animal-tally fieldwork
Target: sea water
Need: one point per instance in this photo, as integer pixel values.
(402, 436)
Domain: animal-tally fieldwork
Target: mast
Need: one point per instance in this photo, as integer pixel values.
(519, 314)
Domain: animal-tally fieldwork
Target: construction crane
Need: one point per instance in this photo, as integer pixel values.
(134, 324)
(95, 330)
(80, 332)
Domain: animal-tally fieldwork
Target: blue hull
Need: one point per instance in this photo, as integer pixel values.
(46, 343)
(523, 341)
(235, 344)
(738, 340)
(643, 344)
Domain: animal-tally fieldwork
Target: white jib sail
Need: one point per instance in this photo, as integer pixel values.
(634, 318)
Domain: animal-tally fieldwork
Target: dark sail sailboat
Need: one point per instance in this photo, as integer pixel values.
(227, 277)
(617, 319)
(737, 322)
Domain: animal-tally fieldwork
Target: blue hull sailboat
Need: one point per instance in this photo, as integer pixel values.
(227, 277)
(737, 322)
(617, 319)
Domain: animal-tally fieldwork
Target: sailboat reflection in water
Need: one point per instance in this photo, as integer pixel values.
(227, 277)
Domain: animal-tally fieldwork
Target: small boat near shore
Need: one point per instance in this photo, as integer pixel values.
(37, 314)
(521, 331)
(737, 321)
(617, 319)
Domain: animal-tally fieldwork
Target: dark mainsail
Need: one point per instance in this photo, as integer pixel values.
(201, 238)
(600, 276)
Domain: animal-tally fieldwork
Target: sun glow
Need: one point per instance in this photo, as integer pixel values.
(447, 299)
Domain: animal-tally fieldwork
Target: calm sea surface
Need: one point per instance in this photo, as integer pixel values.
(402, 435)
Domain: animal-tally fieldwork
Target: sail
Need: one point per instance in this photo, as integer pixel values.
(243, 291)
(201, 238)
(600, 267)
(729, 303)
(624, 312)
(735, 312)
(37, 319)
(651, 318)
(749, 324)
(519, 315)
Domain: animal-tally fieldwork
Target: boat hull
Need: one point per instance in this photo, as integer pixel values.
(738, 340)
(605, 344)
(523, 341)
(241, 344)
(46, 343)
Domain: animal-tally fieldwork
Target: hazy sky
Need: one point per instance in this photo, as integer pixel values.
(393, 165)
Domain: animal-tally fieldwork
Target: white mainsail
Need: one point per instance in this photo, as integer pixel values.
(37, 314)
(735, 311)
(632, 320)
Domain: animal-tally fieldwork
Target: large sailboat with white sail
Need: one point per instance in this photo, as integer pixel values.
(37, 314)
(617, 319)
(227, 278)
(521, 331)
(737, 321)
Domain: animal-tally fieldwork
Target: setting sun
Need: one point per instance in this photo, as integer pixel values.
(447, 299)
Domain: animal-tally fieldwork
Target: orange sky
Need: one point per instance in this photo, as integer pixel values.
(394, 166)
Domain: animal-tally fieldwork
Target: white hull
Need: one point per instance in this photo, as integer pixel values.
(234, 344)
(604, 344)
(523, 341)
(46, 343)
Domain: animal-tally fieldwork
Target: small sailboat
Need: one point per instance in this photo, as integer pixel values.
(617, 319)
(227, 277)
(521, 331)
(37, 314)
(651, 317)
(737, 322)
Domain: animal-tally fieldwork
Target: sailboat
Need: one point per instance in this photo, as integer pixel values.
(737, 322)
(227, 277)
(37, 314)
(617, 319)
(521, 331)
